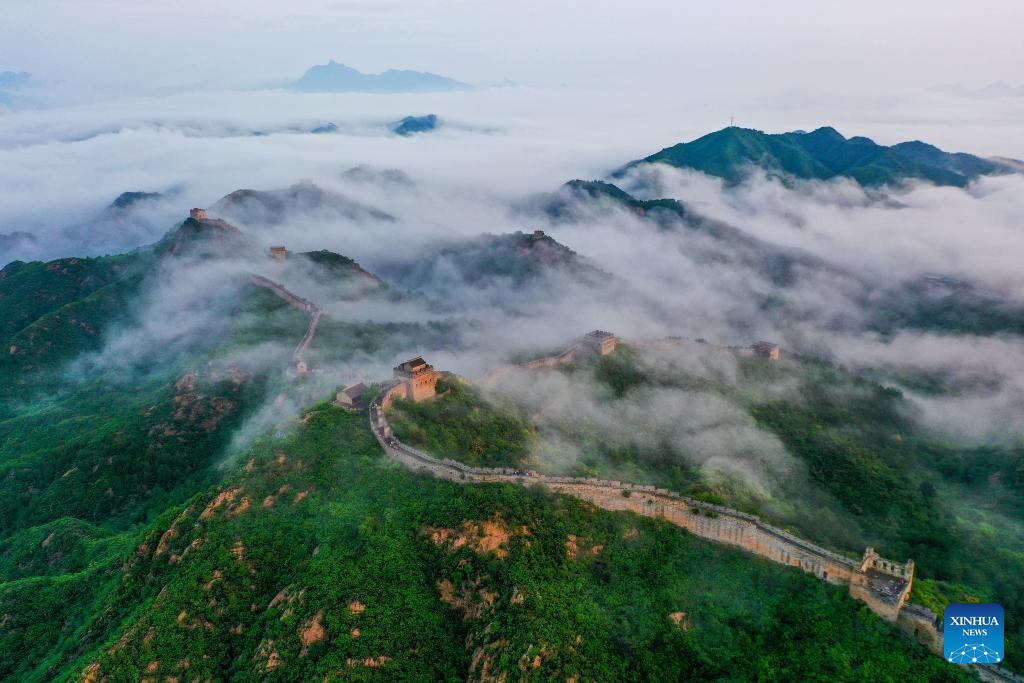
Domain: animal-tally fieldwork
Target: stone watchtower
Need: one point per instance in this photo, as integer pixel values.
(278, 253)
(418, 377)
(197, 214)
(764, 349)
(600, 342)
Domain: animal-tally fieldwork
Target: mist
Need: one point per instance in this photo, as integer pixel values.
(62, 163)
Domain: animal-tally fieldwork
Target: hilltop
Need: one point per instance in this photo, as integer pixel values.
(205, 237)
(280, 572)
(413, 125)
(273, 207)
(335, 77)
(518, 259)
(822, 154)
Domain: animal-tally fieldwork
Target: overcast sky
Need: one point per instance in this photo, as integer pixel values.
(783, 44)
(164, 94)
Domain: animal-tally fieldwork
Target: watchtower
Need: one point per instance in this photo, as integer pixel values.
(419, 378)
(278, 253)
(197, 214)
(600, 342)
(351, 397)
(882, 583)
(767, 350)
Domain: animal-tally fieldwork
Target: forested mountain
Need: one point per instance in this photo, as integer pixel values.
(821, 155)
(179, 500)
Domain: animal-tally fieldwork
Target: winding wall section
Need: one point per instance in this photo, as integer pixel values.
(308, 307)
(706, 520)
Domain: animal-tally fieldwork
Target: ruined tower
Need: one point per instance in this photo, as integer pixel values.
(883, 584)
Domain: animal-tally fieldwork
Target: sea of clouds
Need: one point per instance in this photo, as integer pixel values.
(60, 168)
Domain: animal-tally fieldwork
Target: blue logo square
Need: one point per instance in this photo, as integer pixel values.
(972, 633)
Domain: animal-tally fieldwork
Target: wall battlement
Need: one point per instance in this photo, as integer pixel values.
(713, 522)
(865, 577)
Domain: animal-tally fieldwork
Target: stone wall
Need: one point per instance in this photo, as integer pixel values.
(304, 305)
(714, 522)
(920, 622)
(293, 299)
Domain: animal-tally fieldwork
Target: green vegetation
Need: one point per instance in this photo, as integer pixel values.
(282, 573)
(953, 308)
(820, 155)
(560, 207)
(865, 473)
(462, 426)
(138, 538)
(30, 290)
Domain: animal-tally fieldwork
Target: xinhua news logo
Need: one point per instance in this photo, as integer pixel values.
(972, 633)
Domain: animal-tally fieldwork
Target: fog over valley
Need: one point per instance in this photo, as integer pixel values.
(330, 353)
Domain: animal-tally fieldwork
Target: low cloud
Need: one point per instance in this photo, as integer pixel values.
(848, 246)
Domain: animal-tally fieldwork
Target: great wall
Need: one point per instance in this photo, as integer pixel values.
(304, 305)
(883, 585)
(299, 364)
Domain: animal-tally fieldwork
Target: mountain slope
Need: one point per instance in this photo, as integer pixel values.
(822, 154)
(272, 207)
(518, 258)
(579, 201)
(30, 290)
(282, 574)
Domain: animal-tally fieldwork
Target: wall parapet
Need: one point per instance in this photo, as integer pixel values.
(728, 526)
(807, 554)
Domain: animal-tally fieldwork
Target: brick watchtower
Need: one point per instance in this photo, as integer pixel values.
(419, 378)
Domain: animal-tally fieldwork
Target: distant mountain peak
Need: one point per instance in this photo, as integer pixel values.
(14, 79)
(272, 207)
(337, 77)
(412, 125)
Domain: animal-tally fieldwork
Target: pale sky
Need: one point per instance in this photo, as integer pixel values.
(778, 45)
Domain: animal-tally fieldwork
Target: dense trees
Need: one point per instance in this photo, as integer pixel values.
(317, 560)
(459, 424)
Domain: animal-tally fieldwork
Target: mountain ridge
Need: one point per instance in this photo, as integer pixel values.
(822, 154)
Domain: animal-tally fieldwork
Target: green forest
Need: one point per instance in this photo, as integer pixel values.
(282, 573)
(868, 475)
(140, 538)
(458, 424)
